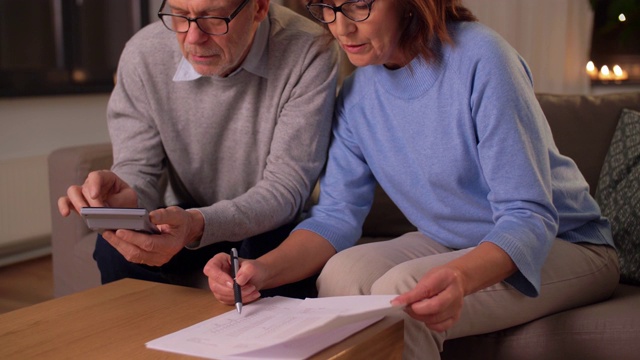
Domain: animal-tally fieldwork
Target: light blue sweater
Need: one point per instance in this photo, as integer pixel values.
(463, 148)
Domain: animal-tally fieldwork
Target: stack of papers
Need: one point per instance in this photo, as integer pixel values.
(278, 328)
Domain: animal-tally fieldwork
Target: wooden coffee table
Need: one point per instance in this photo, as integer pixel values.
(115, 321)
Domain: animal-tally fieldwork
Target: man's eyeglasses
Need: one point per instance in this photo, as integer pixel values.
(212, 25)
(355, 10)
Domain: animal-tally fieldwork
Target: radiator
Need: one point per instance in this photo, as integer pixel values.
(25, 219)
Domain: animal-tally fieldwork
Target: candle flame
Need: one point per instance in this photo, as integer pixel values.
(617, 70)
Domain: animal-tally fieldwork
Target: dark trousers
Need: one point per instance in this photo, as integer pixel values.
(185, 268)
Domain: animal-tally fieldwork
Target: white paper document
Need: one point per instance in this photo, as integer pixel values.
(278, 328)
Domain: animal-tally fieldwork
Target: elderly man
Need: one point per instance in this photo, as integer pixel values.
(233, 120)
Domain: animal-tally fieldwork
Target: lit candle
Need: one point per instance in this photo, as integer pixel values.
(591, 70)
(605, 74)
(619, 74)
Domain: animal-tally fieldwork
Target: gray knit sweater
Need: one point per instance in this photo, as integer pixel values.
(246, 150)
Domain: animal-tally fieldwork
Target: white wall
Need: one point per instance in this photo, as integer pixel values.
(30, 129)
(33, 126)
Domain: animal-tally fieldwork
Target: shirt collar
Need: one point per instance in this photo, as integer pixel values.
(255, 62)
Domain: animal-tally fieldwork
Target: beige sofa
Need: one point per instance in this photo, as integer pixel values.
(582, 126)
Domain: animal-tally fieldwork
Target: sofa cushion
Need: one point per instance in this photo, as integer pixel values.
(582, 126)
(73, 266)
(605, 330)
(619, 193)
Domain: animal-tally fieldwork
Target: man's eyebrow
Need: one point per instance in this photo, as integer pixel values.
(208, 9)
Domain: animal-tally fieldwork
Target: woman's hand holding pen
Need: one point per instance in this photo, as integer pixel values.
(218, 271)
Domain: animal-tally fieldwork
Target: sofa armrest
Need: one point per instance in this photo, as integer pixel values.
(69, 166)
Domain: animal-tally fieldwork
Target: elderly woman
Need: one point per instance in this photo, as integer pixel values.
(441, 113)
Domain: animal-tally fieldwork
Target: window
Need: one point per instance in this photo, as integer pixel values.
(616, 30)
(64, 46)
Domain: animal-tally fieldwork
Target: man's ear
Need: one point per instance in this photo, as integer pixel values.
(262, 9)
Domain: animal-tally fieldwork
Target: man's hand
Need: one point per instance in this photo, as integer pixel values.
(101, 188)
(436, 300)
(221, 283)
(177, 226)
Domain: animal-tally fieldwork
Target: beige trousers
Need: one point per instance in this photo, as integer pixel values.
(573, 275)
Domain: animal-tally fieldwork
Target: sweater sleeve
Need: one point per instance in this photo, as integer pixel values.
(514, 142)
(138, 153)
(346, 188)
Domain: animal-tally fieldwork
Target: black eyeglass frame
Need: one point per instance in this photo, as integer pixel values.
(227, 19)
(338, 9)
